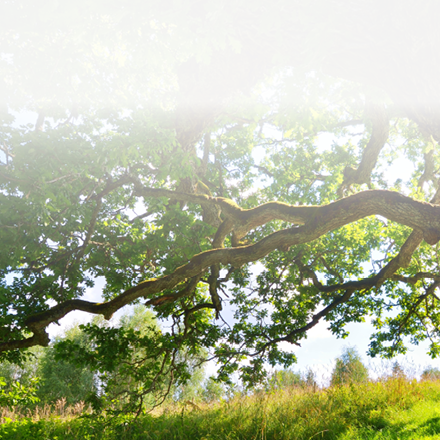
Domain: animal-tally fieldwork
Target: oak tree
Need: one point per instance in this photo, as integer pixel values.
(236, 169)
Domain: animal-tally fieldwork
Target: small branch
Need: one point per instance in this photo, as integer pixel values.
(415, 278)
(213, 280)
(110, 186)
(316, 318)
(413, 308)
(264, 170)
(379, 136)
(429, 171)
(90, 229)
(141, 216)
(170, 298)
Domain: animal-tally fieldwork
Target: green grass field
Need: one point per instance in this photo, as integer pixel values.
(392, 409)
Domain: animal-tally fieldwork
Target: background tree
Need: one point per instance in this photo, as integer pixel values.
(284, 378)
(213, 390)
(19, 384)
(62, 378)
(431, 373)
(192, 385)
(397, 371)
(24, 373)
(349, 369)
(173, 147)
(116, 385)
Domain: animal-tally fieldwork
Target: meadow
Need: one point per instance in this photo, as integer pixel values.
(392, 408)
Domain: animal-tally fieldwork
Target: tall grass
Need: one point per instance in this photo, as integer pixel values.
(395, 408)
(41, 412)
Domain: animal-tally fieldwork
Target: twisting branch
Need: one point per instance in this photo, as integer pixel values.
(389, 204)
(316, 220)
(170, 298)
(402, 259)
(415, 278)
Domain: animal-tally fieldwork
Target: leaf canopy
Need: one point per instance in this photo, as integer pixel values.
(237, 170)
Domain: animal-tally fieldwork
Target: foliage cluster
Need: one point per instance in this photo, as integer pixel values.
(18, 394)
(105, 386)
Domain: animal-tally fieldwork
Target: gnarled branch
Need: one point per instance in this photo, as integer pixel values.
(316, 220)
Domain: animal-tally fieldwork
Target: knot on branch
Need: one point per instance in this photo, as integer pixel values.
(431, 236)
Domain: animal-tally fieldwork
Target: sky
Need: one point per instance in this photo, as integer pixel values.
(321, 348)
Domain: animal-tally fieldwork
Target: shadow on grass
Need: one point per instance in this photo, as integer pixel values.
(401, 431)
(431, 426)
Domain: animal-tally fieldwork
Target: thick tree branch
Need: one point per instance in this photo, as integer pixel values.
(388, 272)
(392, 205)
(317, 221)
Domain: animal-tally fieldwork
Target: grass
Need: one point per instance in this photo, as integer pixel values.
(396, 408)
